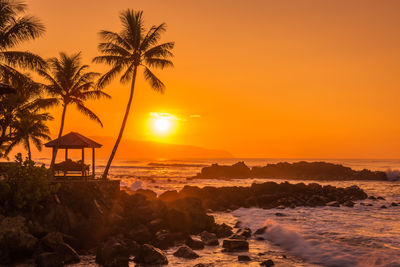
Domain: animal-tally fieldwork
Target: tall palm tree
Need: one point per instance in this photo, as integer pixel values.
(127, 51)
(15, 28)
(30, 126)
(69, 83)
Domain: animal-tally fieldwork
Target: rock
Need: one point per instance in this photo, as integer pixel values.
(383, 207)
(279, 214)
(67, 254)
(15, 239)
(349, 204)
(281, 207)
(48, 259)
(267, 263)
(260, 238)
(260, 231)
(151, 255)
(113, 253)
(372, 198)
(236, 236)
(140, 234)
(246, 232)
(333, 204)
(222, 230)
(194, 243)
(209, 239)
(185, 252)
(238, 224)
(52, 240)
(164, 239)
(243, 258)
(232, 245)
(394, 204)
(380, 198)
(204, 265)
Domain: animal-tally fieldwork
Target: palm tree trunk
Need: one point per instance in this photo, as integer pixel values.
(53, 158)
(28, 145)
(121, 131)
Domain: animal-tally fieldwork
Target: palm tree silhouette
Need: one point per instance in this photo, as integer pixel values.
(15, 28)
(69, 83)
(30, 126)
(128, 50)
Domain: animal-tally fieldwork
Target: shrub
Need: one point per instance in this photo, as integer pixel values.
(28, 184)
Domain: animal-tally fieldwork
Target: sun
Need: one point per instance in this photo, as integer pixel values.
(162, 125)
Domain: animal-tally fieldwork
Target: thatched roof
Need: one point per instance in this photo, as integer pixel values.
(73, 140)
(6, 89)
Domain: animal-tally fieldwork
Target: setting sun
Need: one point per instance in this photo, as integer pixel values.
(162, 124)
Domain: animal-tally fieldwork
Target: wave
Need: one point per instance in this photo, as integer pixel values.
(393, 175)
(325, 252)
(157, 164)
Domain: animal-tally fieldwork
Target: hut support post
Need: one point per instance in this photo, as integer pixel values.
(93, 161)
(66, 158)
(83, 162)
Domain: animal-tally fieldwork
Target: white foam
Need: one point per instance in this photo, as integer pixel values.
(393, 175)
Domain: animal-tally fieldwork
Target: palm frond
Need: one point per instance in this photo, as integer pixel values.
(159, 62)
(84, 110)
(153, 36)
(108, 76)
(23, 59)
(162, 50)
(115, 38)
(155, 83)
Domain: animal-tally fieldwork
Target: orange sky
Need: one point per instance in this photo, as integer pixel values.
(264, 78)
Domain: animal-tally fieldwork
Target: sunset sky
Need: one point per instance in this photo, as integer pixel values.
(278, 79)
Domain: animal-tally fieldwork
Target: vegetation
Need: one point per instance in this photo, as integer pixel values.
(26, 186)
(16, 27)
(69, 83)
(126, 52)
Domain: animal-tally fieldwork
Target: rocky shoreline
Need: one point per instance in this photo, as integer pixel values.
(118, 226)
(301, 170)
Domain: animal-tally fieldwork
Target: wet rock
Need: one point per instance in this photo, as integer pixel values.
(349, 204)
(48, 259)
(222, 230)
(151, 255)
(394, 204)
(383, 207)
(246, 232)
(279, 214)
(281, 207)
(238, 224)
(236, 236)
(267, 263)
(140, 234)
(113, 253)
(194, 243)
(209, 239)
(243, 258)
(260, 238)
(380, 198)
(185, 252)
(204, 265)
(67, 254)
(260, 231)
(333, 204)
(372, 198)
(232, 245)
(164, 239)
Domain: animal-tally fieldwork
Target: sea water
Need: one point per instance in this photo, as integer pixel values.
(304, 236)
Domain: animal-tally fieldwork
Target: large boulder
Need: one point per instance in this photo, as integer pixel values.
(54, 242)
(232, 245)
(186, 252)
(151, 255)
(15, 239)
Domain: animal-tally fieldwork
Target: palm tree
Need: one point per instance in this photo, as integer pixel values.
(30, 126)
(15, 28)
(128, 50)
(69, 83)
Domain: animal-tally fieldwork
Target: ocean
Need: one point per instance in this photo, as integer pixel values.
(304, 236)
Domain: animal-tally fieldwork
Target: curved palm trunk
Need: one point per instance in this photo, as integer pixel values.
(28, 145)
(53, 158)
(121, 131)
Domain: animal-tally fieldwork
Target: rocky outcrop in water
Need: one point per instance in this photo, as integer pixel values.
(284, 170)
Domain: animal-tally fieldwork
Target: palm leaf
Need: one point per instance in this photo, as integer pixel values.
(155, 83)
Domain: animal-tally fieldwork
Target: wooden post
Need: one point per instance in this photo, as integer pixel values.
(52, 171)
(93, 161)
(66, 158)
(83, 161)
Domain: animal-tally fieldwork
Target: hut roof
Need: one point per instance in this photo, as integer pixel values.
(73, 140)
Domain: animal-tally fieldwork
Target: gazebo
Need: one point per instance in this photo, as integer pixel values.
(74, 140)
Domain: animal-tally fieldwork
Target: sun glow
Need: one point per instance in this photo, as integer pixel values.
(162, 124)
